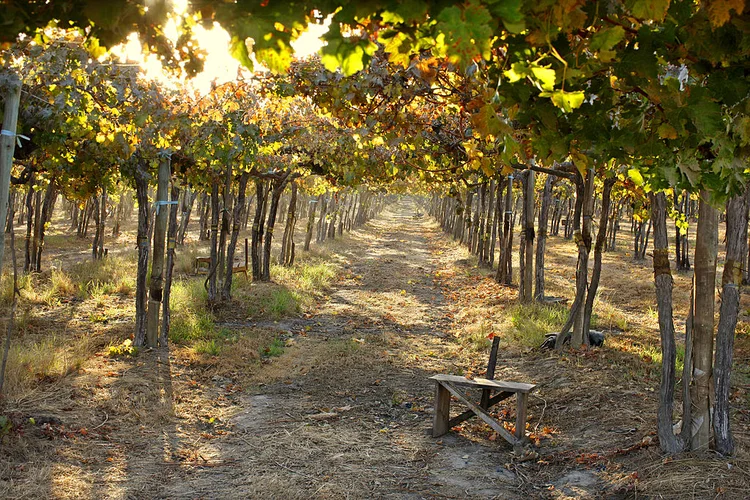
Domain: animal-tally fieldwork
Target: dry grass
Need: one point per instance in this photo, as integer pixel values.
(334, 400)
(588, 398)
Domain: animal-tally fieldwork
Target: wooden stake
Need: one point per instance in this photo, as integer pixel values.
(157, 265)
(7, 150)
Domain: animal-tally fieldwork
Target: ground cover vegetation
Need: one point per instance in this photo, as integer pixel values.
(530, 133)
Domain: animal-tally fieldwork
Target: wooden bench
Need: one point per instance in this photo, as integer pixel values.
(448, 385)
(203, 264)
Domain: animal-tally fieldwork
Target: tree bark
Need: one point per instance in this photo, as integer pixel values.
(706, 247)
(668, 442)
(46, 216)
(311, 222)
(237, 218)
(596, 272)
(584, 200)
(141, 192)
(541, 240)
(27, 267)
(258, 226)
(187, 208)
(287, 246)
(37, 227)
(736, 237)
(527, 241)
(278, 189)
(504, 264)
(584, 250)
(212, 271)
(203, 229)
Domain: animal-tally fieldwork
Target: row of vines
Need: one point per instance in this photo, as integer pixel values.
(502, 112)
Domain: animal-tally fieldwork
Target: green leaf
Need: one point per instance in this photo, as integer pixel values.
(706, 116)
(509, 11)
(516, 72)
(486, 122)
(238, 49)
(345, 53)
(275, 59)
(467, 32)
(606, 39)
(691, 168)
(649, 9)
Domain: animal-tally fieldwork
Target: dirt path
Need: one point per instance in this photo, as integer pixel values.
(346, 411)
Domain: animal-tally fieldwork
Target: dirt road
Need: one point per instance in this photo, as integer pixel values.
(346, 411)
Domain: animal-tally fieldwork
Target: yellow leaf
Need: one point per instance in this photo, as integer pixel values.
(719, 11)
(507, 170)
(581, 162)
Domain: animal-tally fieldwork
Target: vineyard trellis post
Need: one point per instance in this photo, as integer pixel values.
(7, 149)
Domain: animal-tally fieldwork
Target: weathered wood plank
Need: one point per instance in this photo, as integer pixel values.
(490, 403)
(521, 400)
(497, 426)
(440, 422)
(490, 372)
(485, 383)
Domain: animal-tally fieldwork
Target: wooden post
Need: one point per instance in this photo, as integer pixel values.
(7, 150)
(521, 400)
(442, 410)
(171, 248)
(706, 248)
(157, 265)
(490, 371)
(527, 276)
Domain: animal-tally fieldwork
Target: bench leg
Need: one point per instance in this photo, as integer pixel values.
(442, 411)
(521, 400)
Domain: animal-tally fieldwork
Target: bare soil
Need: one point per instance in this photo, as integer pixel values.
(346, 411)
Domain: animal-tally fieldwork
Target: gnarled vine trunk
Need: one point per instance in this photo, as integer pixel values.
(237, 218)
(736, 234)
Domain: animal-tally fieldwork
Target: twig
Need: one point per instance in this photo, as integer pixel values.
(106, 419)
(543, 408)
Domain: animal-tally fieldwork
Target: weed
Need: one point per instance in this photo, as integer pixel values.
(125, 349)
(207, 346)
(190, 318)
(275, 348)
(61, 284)
(98, 317)
(283, 303)
(5, 425)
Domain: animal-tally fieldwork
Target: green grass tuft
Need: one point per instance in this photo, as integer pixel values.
(209, 347)
(283, 302)
(531, 322)
(191, 320)
(275, 348)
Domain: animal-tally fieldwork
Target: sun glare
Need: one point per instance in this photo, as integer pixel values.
(219, 66)
(309, 42)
